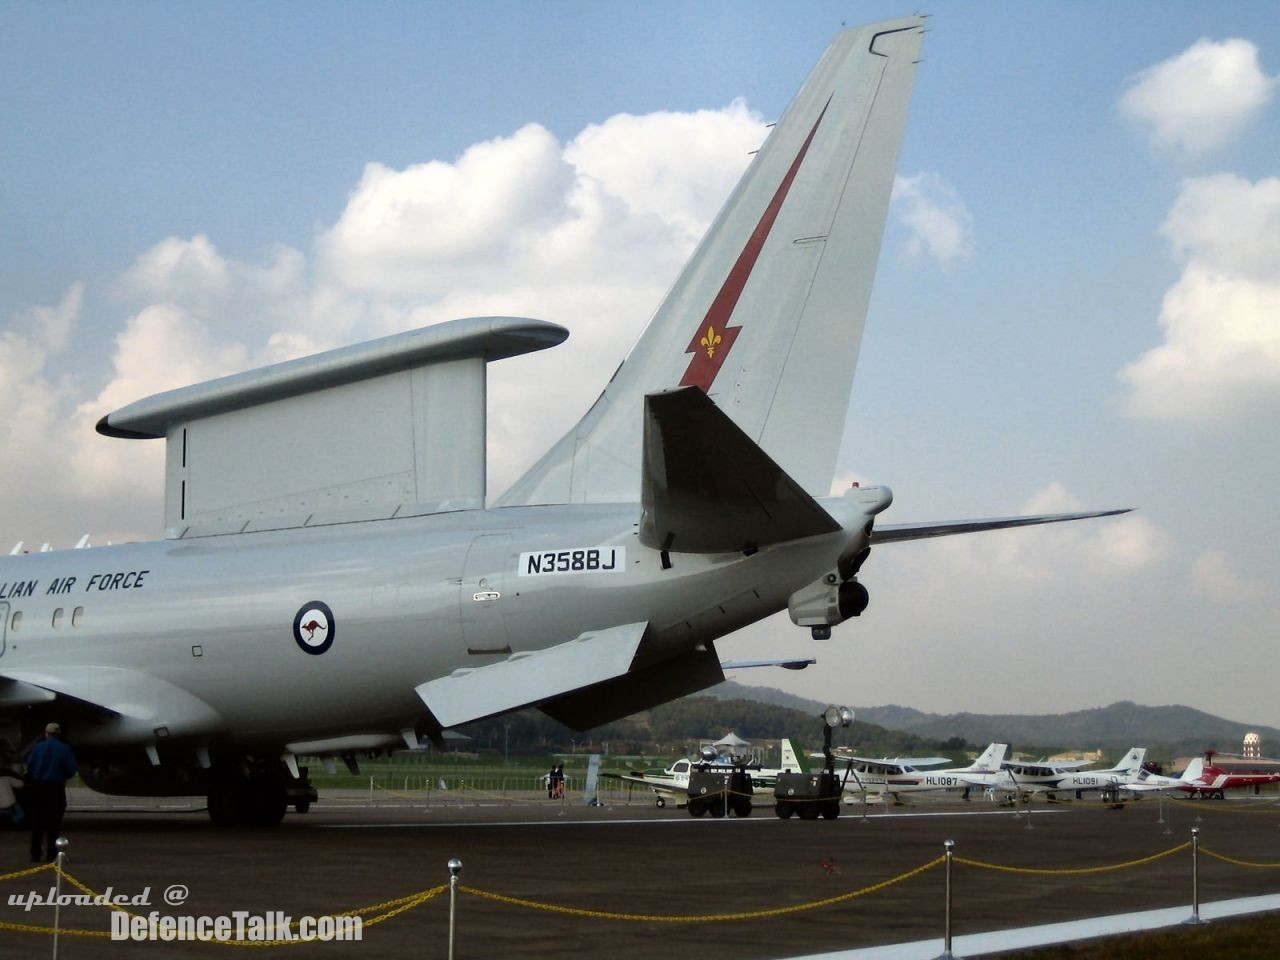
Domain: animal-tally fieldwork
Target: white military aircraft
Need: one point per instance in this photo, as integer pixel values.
(332, 581)
(867, 776)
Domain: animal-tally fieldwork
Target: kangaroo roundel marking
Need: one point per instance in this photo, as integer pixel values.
(314, 627)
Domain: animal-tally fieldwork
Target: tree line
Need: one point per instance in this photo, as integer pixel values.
(678, 727)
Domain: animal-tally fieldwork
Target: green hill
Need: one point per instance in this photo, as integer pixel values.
(1172, 729)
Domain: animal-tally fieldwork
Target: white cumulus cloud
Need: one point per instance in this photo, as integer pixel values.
(1201, 98)
(1214, 576)
(1220, 359)
(940, 223)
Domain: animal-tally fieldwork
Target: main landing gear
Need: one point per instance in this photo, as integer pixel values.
(256, 794)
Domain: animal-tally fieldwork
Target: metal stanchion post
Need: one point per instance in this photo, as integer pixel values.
(946, 928)
(1195, 878)
(455, 868)
(61, 845)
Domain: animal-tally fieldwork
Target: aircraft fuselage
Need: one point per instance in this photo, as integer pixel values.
(227, 621)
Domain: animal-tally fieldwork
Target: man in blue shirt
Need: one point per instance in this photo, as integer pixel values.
(49, 765)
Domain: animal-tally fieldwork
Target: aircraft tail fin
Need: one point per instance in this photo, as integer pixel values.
(767, 316)
(1132, 761)
(991, 758)
(1194, 771)
(792, 760)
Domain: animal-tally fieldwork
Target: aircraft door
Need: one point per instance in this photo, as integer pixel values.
(480, 598)
(4, 625)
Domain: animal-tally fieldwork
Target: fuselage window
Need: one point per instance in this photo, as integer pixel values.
(76, 616)
(16, 621)
(57, 618)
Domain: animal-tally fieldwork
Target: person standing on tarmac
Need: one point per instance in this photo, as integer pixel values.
(50, 764)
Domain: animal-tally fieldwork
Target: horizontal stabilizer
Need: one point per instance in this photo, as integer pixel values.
(528, 678)
(891, 532)
(707, 487)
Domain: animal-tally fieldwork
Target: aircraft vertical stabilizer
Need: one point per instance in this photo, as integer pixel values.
(767, 316)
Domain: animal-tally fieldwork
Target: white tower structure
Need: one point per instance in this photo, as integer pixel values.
(1252, 746)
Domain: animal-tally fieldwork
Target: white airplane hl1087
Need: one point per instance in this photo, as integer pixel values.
(333, 582)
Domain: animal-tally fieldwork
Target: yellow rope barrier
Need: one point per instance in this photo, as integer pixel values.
(1239, 863)
(390, 908)
(380, 912)
(1269, 806)
(1073, 870)
(18, 874)
(699, 918)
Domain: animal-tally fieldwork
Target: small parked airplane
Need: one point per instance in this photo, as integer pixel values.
(334, 580)
(1109, 781)
(867, 776)
(1201, 779)
(1036, 776)
(673, 782)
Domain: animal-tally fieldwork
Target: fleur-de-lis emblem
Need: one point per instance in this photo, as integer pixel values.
(711, 340)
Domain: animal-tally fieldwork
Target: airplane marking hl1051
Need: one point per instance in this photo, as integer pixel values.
(690, 500)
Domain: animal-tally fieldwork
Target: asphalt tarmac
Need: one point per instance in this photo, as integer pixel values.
(631, 859)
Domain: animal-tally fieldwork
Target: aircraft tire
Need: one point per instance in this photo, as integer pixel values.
(660, 802)
(224, 811)
(302, 806)
(257, 800)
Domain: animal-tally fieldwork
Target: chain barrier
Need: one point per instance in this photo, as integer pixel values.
(704, 917)
(370, 915)
(1067, 871)
(1264, 807)
(376, 913)
(1239, 863)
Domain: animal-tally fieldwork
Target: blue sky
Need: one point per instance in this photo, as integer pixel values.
(179, 198)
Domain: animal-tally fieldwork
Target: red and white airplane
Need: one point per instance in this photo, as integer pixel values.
(1201, 779)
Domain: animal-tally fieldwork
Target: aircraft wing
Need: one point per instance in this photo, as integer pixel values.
(897, 761)
(794, 663)
(660, 786)
(137, 705)
(523, 679)
(891, 532)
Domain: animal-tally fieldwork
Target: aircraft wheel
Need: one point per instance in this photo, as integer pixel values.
(783, 810)
(258, 799)
(808, 811)
(660, 802)
(302, 806)
(224, 808)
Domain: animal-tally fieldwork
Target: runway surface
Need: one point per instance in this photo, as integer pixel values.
(635, 860)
